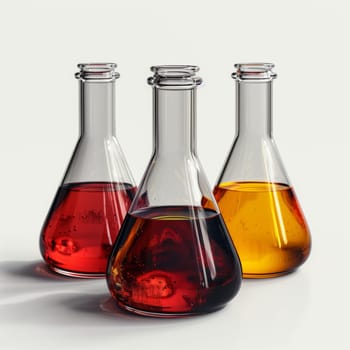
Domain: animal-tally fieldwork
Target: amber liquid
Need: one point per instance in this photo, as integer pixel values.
(266, 225)
(172, 261)
(82, 225)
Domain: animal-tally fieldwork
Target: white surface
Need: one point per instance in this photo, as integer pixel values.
(41, 43)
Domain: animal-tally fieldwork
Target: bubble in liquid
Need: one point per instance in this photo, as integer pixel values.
(155, 286)
(64, 245)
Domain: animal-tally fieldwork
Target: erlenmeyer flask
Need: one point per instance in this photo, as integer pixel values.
(97, 188)
(253, 192)
(173, 256)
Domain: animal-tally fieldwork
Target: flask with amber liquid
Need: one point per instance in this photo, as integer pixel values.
(253, 192)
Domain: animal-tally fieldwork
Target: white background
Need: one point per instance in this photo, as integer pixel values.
(42, 41)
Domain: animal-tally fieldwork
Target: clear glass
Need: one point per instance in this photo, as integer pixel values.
(97, 188)
(253, 192)
(174, 256)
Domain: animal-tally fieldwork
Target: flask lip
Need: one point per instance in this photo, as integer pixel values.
(98, 72)
(254, 72)
(174, 77)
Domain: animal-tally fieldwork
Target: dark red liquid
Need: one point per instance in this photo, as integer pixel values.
(82, 225)
(170, 261)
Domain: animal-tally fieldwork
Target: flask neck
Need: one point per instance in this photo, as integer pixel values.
(174, 119)
(97, 109)
(254, 109)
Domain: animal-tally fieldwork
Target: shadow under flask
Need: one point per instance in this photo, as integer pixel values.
(253, 192)
(173, 256)
(97, 188)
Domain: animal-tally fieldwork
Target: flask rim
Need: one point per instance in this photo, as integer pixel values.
(174, 77)
(254, 72)
(97, 72)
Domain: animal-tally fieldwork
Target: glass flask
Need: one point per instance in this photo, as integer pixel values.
(97, 188)
(253, 192)
(173, 256)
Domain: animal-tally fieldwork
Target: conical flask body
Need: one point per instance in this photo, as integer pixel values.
(97, 189)
(173, 261)
(173, 255)
(253, 192)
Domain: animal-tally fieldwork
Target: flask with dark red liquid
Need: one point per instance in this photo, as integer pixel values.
(173, 256)
(97, 189)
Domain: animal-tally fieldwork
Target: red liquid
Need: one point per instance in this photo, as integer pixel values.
(172, 261)
(82, 225)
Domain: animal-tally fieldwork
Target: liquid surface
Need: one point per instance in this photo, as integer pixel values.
(266, 225)
(82, 225)
(173, 261)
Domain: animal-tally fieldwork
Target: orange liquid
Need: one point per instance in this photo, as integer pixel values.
(266, 225)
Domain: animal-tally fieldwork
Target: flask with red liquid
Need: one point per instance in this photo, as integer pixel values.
(97, 188)
(253, 192)
(173, 255)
